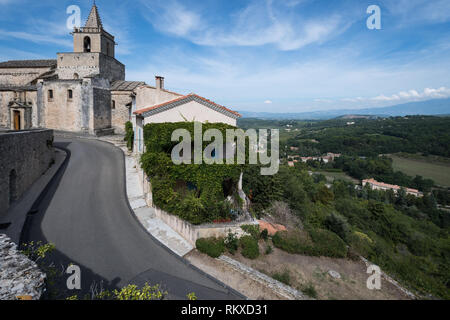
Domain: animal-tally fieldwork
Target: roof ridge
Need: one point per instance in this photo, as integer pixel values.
(143, 110)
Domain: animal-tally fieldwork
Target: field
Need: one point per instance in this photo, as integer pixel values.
(414, 165)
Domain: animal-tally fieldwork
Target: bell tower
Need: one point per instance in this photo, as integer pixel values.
(92, 37)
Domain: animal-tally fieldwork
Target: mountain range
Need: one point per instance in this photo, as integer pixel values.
(428, 107)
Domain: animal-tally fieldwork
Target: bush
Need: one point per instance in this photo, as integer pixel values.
(283, 277)
(251, 229)
(321, 243)
(338, 224)
(269, 249)
(310, 291)
(211, 246)
(129, 135)
(328, 244)
(250, 248)
(232, 243)
(264, 235)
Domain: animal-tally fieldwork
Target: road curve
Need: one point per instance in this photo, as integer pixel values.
(86, 215)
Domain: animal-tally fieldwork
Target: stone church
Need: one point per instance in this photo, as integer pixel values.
(85, 91)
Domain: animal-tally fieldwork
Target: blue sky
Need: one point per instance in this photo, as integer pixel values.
(263, 55)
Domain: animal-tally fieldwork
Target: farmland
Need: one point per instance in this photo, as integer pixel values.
(439, 171)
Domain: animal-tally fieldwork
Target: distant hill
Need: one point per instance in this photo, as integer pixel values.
(429, 107)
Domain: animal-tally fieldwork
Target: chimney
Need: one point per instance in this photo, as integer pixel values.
(159, 82)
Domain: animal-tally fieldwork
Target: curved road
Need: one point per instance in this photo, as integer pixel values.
(86, 215)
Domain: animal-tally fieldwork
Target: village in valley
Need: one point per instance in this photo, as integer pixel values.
(95, 177)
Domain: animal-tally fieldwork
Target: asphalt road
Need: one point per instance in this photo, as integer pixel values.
(86, 215)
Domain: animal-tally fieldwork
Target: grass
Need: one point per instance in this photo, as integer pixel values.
(422, 166)
(284, 277)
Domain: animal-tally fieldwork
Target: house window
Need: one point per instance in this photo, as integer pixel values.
(113, 104)
(50, 95)
(69, 94)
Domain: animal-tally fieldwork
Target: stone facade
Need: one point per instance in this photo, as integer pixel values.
(70, 93)
(24, 157)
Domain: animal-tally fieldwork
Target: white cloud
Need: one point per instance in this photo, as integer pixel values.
(428, 93)
(268, 102)
(260, 23)
(36, 38)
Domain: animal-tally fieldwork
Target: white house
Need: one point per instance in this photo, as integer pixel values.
(191, 107)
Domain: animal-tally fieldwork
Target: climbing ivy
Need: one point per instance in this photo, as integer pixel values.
(194, 192)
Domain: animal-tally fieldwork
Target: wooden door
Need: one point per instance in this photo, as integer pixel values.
(16, 120)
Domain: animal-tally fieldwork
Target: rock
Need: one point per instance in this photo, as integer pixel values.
(19, 276)
(334, 274)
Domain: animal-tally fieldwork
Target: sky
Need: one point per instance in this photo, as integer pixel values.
(258, 55)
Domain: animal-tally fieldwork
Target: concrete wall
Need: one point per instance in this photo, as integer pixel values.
(121, 114)
(20, 76)
(191, 233)
(24, 157)
(191, 111)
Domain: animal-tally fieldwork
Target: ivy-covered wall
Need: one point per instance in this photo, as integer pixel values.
(194, 192)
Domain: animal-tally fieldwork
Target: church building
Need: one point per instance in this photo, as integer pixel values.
(85, 91)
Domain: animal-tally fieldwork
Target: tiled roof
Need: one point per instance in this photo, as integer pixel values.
(28, 64)
(125, 85)
(184, 99)
(18, 88)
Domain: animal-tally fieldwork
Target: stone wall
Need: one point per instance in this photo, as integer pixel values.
(19, 276)
(61, 112)
(24, 157)
(29, 97)
(20, 76)
(121, 113)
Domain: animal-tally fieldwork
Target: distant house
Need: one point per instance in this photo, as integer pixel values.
(376, 185)
(328, 158)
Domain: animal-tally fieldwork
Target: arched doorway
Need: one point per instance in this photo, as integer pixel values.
(12, 186)
(87, 44)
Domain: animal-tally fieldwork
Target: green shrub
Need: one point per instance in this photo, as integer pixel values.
(321, 243)
(251, 229)
(328, 244)
(232, 243)
(269, 249)
(265, 235)
(284, 277)
(129, 135)
(338, 224)
(310, 291)
(250, 248)
(211, 246)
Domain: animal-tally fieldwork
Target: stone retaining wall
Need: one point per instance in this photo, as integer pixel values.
(24, 157)
(19, 276)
